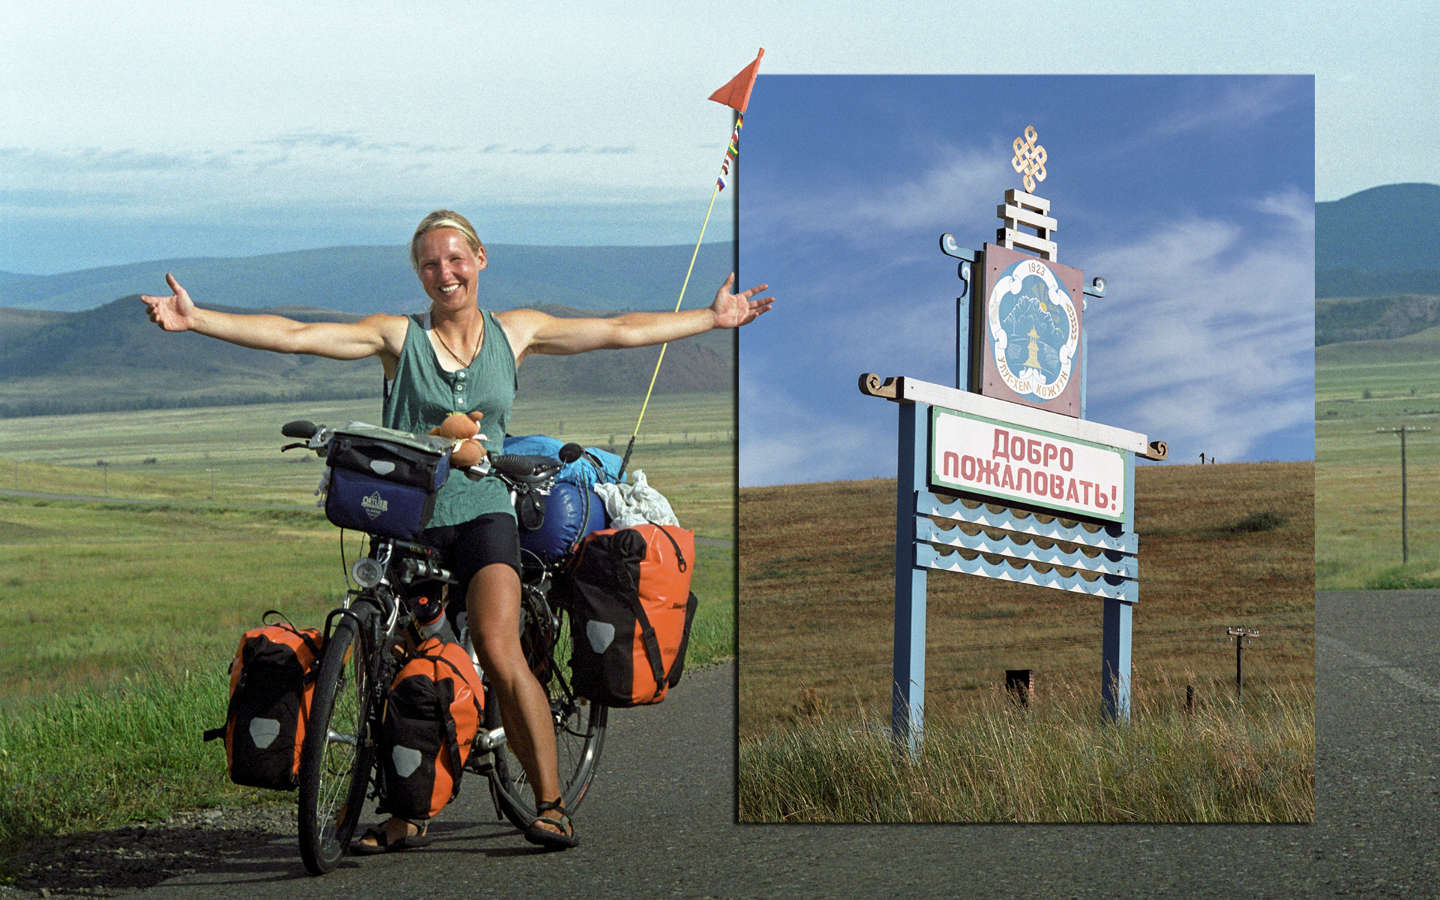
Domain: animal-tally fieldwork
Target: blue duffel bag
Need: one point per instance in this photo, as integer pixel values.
(571, 512)
(572, 509)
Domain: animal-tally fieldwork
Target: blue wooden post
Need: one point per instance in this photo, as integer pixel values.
(964, 307)
(1115, 659)
(1115, 631)
(907, 711)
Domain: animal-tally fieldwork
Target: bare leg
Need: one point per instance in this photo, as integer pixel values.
(493, 607)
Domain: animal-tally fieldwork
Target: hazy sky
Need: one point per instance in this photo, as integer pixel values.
(1191, 195)
(153, 129)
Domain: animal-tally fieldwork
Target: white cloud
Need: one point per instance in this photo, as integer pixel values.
(1211, 346)
(866, 204)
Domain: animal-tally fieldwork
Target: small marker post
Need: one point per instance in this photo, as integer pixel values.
(1240, 634)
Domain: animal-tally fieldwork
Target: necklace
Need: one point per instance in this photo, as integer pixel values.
(436, 332)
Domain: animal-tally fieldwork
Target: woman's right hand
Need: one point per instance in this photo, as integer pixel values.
(173, 313)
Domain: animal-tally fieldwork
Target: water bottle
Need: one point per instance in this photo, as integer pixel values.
(430, 619)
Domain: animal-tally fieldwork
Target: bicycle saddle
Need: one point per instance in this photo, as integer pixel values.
(526, 469)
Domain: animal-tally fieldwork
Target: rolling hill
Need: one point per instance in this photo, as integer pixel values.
(113, 358)
(379, 279)
(1379, 242)
(63, 352)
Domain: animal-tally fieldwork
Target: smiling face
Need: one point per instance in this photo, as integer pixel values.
(448, 267)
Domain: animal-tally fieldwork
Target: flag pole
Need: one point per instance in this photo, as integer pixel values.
(656, 374)
(736, 95)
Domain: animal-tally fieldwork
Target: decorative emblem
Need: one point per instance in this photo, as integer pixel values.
(1029, 159)
(1033, 329)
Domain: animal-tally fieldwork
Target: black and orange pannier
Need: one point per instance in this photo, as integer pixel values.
(272, 680)
(631, 612)
(431, 718)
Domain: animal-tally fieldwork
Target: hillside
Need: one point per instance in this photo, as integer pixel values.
(1220, 545)
(364, 280)
(80, 341)
(1374, 318)
(113, 358)
(1380, 241)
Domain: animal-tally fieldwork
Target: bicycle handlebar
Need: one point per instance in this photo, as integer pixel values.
(521, 472)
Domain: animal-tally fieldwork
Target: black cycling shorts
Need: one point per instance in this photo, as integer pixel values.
(471, 546)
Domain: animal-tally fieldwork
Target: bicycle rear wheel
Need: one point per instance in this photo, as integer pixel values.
(579, 735)
(336, 759)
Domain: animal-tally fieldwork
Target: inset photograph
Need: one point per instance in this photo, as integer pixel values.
(1026, 465)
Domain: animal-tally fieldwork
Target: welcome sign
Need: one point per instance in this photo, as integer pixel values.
(973, 454)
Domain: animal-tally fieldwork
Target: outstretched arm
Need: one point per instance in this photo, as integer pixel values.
(370, 336)
(532, 331)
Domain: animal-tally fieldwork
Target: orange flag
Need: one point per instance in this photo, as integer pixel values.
(736, 92)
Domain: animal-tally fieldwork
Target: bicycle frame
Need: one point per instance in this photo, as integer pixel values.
(388, 578)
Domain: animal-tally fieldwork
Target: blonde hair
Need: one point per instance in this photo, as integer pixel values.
(444, 218)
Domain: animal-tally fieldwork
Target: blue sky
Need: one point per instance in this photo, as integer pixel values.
(151, 129)
(1191, 195)
(147, 131)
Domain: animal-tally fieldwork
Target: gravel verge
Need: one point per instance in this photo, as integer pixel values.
(136, 857)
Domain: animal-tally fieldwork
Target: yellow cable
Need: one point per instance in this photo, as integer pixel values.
(656, 374)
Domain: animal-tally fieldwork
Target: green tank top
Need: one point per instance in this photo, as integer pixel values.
(423, 394)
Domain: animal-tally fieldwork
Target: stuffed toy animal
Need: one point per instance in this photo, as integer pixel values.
(463, 432)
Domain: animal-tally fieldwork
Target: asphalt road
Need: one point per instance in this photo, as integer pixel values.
(659, 821)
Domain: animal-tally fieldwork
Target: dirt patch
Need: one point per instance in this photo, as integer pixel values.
(109, 863)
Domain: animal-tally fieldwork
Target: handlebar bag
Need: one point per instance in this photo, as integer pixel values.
(431, 718)
(272, 680)
(631, 612)
(383, 481)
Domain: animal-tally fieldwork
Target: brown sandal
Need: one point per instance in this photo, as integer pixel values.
(383, 844)
(544, 837)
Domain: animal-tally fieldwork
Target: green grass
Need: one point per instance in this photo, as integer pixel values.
(119, 618)
(131, 752)
(1362, 387)
(1052, 761)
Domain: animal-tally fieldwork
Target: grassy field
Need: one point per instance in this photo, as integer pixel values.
(1220, 546)
(1360, 388)
(232, 454)
(1250, 761)
(120, 614)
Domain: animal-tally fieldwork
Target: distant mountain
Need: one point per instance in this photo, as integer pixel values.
(113, 358)
(364, 280)
(1381, 241)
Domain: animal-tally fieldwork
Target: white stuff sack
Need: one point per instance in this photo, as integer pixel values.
(635, 503)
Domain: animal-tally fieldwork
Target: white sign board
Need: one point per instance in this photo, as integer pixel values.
(983, 456)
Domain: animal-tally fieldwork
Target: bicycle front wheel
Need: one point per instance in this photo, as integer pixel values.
(579, 735)
(337, 755)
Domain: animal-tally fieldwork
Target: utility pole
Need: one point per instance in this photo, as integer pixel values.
(1404, 505)
(1240, 634)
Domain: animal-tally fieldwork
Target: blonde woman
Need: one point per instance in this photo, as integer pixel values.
(458, 356)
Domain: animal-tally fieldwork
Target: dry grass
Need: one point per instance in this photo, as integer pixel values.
(1220, 545)
(1053, 761)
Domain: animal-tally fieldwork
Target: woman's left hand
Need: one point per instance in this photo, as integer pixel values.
(733, 310)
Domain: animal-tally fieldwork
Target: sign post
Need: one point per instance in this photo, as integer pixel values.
(1012, 432)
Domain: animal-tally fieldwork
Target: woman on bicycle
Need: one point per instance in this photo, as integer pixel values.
(460, 357)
